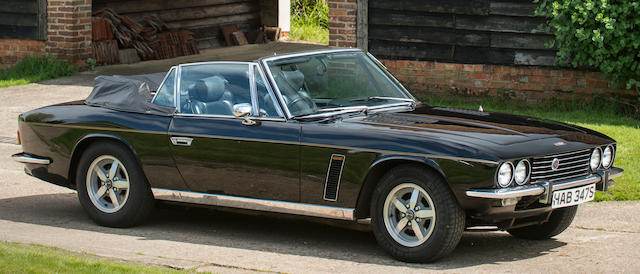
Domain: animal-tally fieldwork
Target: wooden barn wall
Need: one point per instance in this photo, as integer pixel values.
(23, 19)
(203, 17)
(460, 31)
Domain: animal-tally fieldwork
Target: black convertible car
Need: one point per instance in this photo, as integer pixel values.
(327, 133)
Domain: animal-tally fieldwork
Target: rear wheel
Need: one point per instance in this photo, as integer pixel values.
(112, 188)
(415, 216)
(559, 221)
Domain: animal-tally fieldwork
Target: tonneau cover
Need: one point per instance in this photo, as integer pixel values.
(128, 93)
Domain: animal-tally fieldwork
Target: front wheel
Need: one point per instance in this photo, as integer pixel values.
(415, 217)
(559, 221)
(112, 188)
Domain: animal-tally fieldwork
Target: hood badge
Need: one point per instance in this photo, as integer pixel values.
(559, 144)
(555, 164)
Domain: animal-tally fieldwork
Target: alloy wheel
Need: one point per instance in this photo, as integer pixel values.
(107, 184)
(409, 214)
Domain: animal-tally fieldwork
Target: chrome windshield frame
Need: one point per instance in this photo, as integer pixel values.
(265, 67)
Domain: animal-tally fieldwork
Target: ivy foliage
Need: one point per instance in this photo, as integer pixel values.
(597, 33)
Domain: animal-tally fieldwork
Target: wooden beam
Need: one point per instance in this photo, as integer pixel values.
(19, 6)
(513, 9)
(534, 58)
(476, 7)
(520, 40)
(410, 51)
(362, 25)
(21, 20)
(18, 32)
(499, 23)
(173, 15)
(42, 20)
(430, 35)
(233, 19)
(136, 6)
(409, 18)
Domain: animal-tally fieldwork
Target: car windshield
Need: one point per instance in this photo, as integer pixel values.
(334, 81)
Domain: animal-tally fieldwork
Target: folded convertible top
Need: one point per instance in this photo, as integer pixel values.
(128, 93)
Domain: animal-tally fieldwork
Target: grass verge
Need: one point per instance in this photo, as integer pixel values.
(33, 69)
(602, 117)
(22, 258)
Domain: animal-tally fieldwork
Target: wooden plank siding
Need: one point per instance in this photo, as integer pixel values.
(23, 19)
(203, 17)
(459, 31)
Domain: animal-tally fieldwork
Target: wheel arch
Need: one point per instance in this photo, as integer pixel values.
(378, 168)
(87, 141)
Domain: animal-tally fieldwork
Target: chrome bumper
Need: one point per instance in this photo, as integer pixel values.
(547, 187)
(26, 158)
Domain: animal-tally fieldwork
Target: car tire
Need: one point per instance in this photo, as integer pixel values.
(125, 183)
(440, 219)
(559, 221)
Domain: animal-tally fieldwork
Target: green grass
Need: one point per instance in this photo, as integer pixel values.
(33, 69)
(22, 258)
(606, 118)
(310, 21)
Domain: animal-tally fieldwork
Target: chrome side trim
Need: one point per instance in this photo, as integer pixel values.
(539, 187)
(30, 159)
(330, 212)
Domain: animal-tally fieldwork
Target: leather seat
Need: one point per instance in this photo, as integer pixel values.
(209, 96)
(291, 85)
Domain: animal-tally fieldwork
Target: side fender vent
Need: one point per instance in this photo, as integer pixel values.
(334, 173)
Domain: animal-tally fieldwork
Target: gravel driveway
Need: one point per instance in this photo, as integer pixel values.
(605, 237)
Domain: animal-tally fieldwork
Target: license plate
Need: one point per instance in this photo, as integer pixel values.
(574, 196)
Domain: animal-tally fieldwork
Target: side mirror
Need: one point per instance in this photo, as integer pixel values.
(243, 111)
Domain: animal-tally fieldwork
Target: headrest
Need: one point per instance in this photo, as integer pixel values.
(208, 89)
(295, 79)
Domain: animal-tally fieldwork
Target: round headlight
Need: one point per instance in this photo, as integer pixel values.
(522, 172)
(596, 156)
(505, 174)
(607, 157)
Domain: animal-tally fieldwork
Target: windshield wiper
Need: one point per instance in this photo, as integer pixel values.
(333, 112)
(380, 98)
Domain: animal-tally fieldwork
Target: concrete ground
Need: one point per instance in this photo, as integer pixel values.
(605, 237)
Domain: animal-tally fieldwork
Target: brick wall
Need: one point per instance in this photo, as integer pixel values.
(13, 50)
(69, 29)
(68, 35)
(525, 83)
(342, 23)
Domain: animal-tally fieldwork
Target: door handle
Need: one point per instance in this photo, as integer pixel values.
(181, 141)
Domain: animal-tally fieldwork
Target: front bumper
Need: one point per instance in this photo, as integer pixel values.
(603, 179)
(27, 158)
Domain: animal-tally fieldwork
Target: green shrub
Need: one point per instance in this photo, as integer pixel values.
(598, 34)
(310, 20)
(314, 12)
(33, 69)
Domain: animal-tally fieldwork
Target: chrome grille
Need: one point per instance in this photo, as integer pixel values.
(572, 165)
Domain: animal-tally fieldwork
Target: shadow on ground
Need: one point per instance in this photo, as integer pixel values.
(270, 233)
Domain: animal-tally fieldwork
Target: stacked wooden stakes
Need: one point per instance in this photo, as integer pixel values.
(113, 34)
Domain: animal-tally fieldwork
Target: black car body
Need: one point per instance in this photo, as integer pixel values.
(324, 163)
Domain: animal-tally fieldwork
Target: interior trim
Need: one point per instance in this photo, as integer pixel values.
(339, 213)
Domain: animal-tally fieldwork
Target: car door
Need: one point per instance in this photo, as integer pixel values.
(216, 152)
